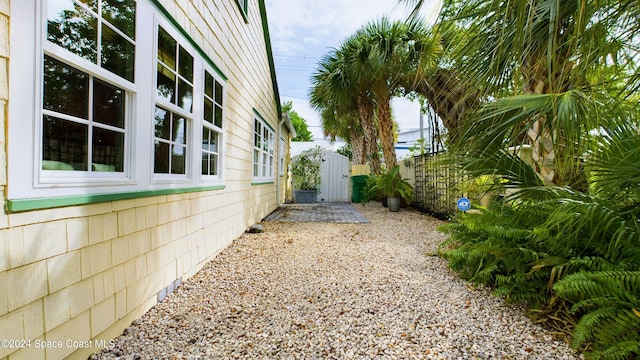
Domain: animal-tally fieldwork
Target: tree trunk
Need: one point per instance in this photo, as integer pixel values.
(552, 160)
(385, 126)
(539, 134)
(366, 110)
(542, 153)
(372, 156)
(356, 139)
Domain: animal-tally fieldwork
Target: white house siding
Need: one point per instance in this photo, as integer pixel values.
(81, 274)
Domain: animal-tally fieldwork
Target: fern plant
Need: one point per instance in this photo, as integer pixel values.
(610, 301)
(556, 246)
(497, 247)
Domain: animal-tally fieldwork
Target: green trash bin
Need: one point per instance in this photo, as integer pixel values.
(358, 182)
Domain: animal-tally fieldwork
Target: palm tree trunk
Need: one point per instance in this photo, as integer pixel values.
(552, 161)
(543, 153)
(539, 134)
(356, 139)
(385, 126)
(372, 155)
(366, 110)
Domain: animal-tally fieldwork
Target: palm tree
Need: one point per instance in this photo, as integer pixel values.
(546, 68)
(339, 95)
(389, 57)
(450, 96)
(445, 88)
(345, 125)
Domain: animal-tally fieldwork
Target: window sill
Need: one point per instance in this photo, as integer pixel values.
(20, 205)
(266, 182)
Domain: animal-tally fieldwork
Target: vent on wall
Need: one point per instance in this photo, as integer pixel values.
(169, 289)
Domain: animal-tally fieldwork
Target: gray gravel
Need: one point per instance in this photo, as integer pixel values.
(335, 291)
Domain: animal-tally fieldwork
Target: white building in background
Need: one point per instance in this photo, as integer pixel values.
(408, 140)
(299, 146)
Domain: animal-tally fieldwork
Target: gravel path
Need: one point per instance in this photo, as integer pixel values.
(335, 291)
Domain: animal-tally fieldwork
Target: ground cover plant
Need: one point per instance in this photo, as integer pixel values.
(558, 80)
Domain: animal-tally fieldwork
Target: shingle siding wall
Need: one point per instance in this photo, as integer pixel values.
(86, 272)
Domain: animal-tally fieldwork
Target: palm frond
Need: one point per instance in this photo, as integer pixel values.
(614, 163)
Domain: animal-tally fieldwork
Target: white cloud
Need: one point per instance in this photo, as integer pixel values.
(331, 20)
(311, 40)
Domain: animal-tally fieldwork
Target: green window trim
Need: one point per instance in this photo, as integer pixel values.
(257, 113)
(243, 5)
(20, 205)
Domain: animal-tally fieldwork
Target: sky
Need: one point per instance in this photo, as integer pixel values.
(305, 30)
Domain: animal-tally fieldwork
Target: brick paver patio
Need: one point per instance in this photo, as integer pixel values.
(319, 212)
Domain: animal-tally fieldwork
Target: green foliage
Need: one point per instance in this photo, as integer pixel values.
(551, 245)
(306, 169)
(389, 184)
(419, 148)
(610, 301)
(298, 122)
(545, 82)
(370, 191)
(499, 248)
(381, 59)
(346, 150)
(560, 78)
(482, 185)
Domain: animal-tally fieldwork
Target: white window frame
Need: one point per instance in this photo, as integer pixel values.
(212, 127)
(281, 156)
(263, 151)
(44, 178)
(29, 44)
(175, 109)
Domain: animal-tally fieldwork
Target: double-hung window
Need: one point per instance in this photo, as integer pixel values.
(88, 65)
(212, 100)
(263, 150)
(174, 106)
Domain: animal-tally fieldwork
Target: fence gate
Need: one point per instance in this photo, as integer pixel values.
(334, 172)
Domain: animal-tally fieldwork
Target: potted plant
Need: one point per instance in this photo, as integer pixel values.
(306, 175)
(392, 186)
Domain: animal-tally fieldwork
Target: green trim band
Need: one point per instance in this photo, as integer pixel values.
(184, 33)
(19, 205)
(263, 183)
(272, 66)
